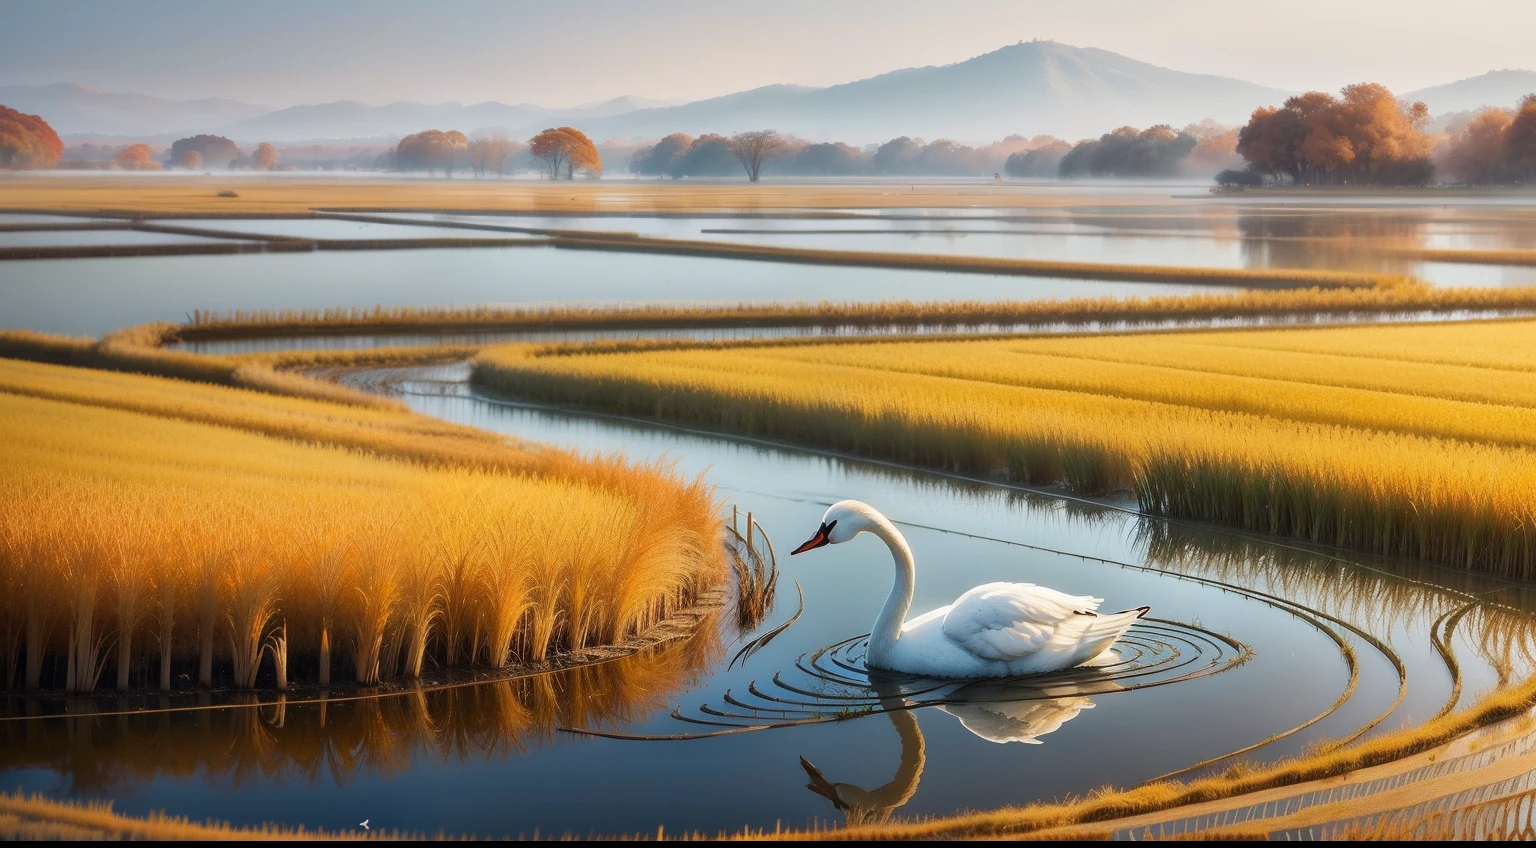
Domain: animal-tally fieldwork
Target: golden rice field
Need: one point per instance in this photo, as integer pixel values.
(156, 529)
(1416, 441)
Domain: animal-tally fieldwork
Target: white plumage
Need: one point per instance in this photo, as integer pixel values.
(993, 630)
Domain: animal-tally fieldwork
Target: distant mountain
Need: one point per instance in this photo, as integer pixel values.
(1027, 88)
(74, 109)
(1495, 88)
(1030, 88)
(86, 114)
(617, 106)
(351, 119)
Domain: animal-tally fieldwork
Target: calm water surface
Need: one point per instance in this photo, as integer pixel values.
(96, 296)
(1247, 642)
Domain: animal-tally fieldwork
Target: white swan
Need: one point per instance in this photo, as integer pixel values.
(994, 630)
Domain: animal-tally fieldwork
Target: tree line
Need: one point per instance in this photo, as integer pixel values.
(560, 151)
(713, 155)
(1363, 136)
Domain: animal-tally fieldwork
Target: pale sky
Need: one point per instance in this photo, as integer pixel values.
(285, 52)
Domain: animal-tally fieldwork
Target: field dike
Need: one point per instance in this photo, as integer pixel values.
(1396, 296)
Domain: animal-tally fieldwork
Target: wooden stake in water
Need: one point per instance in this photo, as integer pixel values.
(749, 533)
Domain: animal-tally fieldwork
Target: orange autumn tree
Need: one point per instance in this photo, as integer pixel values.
(1364, 137)
(136, 157)
(565, 149)
(1476, 154)
(26, 141)
(431, 149)
(1520, 142)
(265, 156)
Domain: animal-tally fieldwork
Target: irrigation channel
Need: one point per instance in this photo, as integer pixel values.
(1254, 651)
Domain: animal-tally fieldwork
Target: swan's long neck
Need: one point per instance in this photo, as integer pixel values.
(888, 625)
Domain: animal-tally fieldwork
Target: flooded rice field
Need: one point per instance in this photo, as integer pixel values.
(95, 296)
(1253, 651)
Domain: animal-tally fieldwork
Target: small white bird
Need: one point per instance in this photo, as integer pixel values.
(994, 630)
(364, 824)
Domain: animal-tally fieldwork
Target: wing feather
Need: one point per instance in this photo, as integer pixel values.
(1010, 621)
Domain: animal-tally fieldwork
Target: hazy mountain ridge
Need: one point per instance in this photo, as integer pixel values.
(1495, 88)
(71, 108)
(1028, 88)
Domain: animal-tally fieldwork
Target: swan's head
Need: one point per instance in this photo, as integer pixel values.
(842, 521)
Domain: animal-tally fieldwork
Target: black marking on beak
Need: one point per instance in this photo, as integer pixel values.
(822, 537)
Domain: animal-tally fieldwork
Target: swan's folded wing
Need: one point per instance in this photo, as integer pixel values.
(1010, 621)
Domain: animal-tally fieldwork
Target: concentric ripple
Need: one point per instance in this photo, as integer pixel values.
(833, 683)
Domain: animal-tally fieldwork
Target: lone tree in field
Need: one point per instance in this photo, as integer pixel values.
(265, 157)
(190, 159)
(754, 149)
(26, 141)
(216, 151)
(135, 157)
(565, 149)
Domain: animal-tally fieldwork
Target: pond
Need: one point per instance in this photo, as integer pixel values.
(1252, 647)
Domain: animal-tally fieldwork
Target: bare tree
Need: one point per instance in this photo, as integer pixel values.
(490, 153)
(754, 149)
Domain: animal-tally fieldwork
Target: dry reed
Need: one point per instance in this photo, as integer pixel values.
(1400, 296)
(124, 507)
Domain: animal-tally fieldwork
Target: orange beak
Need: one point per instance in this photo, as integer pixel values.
(821, 538)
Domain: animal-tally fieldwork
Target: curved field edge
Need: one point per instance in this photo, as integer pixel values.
(1109, 805)
(1326, 461)
(473, 550)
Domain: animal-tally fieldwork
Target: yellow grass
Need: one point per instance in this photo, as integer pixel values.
(197, 195)
(1397, 298)
(139, 350)
(1473, 257)
(1407, 441)
(132, 500)
(37, 817)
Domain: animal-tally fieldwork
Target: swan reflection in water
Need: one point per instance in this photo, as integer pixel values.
(1000, 711)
